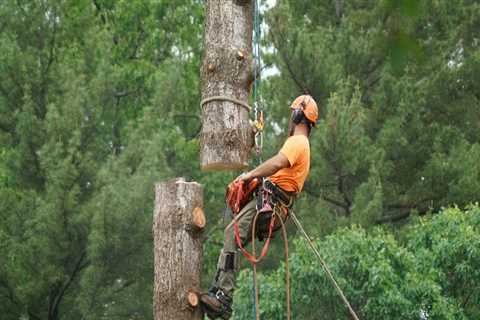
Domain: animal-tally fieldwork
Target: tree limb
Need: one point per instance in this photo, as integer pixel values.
(78, 267)
(341, 189)
(393, 218)
(405, 213)
(342, 205)
(286, 60)
(99, 10)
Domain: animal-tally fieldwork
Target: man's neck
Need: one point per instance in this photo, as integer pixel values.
(301, 129)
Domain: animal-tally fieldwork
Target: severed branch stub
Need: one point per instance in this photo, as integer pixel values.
(198, 218)
(227, 73)
(192, 299)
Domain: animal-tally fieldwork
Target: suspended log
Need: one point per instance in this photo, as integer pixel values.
(227, 75)
(177, 230)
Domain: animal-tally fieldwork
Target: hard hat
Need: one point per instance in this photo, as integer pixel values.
(307, 105)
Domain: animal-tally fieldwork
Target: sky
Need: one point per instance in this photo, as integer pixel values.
(272, 70)
(271, 3)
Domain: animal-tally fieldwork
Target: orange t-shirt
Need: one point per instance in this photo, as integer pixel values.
(297, 151)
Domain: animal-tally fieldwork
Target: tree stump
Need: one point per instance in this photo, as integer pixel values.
(227, 75)
(177, 229)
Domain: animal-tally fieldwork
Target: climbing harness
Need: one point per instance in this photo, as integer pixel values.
(274, 204)
(324, 265)
(271, 204)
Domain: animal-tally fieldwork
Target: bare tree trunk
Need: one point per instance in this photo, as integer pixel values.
(339, 8)
(178, 222)
(227, 136)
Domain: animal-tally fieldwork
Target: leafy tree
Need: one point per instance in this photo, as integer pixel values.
(433, 274)
(99, 100)
(93, 100)
(446, 250)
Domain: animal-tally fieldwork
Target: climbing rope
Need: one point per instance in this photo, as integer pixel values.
(258, 123)
(324, 265)
(226, 98)
(275, 215)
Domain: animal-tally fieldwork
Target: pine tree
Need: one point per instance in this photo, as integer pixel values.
(397, 83)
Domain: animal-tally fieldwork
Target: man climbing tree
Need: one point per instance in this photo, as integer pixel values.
(283, 178)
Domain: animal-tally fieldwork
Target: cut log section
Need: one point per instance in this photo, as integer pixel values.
(177, 249)
(227, 75)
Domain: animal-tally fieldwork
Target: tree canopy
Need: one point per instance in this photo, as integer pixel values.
(99, 99)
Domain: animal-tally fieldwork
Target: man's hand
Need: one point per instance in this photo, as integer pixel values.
(244, 177)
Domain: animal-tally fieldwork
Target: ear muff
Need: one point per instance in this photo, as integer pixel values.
(297, 115)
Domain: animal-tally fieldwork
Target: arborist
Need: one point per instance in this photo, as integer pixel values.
(280, 180)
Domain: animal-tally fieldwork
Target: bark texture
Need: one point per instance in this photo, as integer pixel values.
(227, 136)
(177, 249)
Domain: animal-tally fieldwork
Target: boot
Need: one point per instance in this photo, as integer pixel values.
(216, 304)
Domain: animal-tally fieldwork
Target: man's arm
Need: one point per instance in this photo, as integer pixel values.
(268, 168)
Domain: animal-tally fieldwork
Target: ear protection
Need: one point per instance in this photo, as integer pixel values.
(297, 114)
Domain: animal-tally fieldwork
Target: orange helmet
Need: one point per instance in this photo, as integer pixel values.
(308, 107)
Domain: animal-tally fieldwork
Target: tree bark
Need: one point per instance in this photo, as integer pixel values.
(227, 73)
(177, 230)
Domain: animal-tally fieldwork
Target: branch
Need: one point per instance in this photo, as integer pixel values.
(465, 302)
(344, 206)
(99, 10)
(407, 210)
(137, 44)
(122, 94)
(124, 286)
(78, 267)
(344, 194)
(285, 59)
(337, 203)
(393, 218)
(51, 56)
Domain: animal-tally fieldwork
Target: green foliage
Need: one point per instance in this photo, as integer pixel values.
(434, 272)
(99, 100)
(397, 85)
(93, 111)
(447, 250)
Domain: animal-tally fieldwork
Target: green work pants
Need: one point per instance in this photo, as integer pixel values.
(225, 277)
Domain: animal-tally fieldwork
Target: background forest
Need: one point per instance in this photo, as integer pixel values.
(99, 99)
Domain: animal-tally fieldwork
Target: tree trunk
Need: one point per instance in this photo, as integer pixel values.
(227, 75)
(177, 230)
